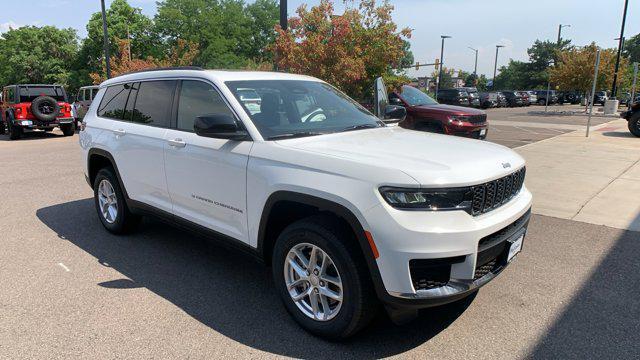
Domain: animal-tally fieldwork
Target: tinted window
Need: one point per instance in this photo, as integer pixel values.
(416, 97)
(153, 103)
(128, 110)
(94, 92)
(114, 101)
(11, 95)
(29, 93)
(198, 98)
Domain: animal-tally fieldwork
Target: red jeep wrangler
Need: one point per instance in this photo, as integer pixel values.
(29, 107)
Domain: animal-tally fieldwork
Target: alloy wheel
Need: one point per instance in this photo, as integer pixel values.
(313, 282)
(107, 201)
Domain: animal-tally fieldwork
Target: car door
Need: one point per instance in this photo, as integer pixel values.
(142, 116)
(206, 176)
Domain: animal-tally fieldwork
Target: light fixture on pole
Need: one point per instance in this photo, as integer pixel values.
(614, 87)
(441, 63)
(106, 40)
(495, 67)
(560, 31)
(475, 67)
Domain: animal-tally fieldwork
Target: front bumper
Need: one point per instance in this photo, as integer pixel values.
(454, 238)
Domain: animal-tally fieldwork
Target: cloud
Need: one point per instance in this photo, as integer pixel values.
(4, 27)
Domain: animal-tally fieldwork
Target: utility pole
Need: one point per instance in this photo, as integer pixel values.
(441, 63)
(283, 14)
(546, 100)
(614, 88)
(495, 67)
(106, 40)
(475, 67)
(593, 90)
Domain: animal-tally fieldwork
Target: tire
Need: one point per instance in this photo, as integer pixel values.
(120, 221)
(541, 101)
(45, 108)
(634, 125)
(334, 241)
(67, 129)
(2, 127)
(15, 132)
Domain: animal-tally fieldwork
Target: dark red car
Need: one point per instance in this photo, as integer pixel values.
(426, 114)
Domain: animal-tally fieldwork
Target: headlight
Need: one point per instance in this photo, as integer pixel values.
(428, 199)
(458, 119)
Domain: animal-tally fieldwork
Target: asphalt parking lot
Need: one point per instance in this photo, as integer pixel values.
(68, 289)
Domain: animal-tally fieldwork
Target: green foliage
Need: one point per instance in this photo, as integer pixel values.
(37, 55)
(407, 59)
(229, 33)
(446, 79)
(632, 48)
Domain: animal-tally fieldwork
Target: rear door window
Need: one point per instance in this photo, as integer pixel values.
(114, 101)
(153, 103)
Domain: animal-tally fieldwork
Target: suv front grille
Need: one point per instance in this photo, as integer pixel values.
(475, 119)
(493, 194)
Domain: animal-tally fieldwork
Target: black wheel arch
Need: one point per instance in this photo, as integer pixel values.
(266, 239)
(98, 159)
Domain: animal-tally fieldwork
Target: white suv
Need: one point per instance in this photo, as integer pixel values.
(349, 212)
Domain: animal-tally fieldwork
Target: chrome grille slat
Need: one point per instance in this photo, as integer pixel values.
(493, 194)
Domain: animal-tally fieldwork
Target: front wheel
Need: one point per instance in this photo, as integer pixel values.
(634, 125)
(321, 276)
(15, 132)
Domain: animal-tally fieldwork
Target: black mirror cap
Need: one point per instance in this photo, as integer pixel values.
(219, 126)
(395, 112)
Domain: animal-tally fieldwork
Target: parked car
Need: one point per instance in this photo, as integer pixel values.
(633, 118)
(573, 97)
(501, 99)
(628, 103)
(600, 97)
(425, 114)
(347, 212)
(83, 101)
(29, 107)
(542, 97)
(513, 98)
(488, 100)
(453, 97)
(525, 98)
(474, 97)
(533, 98)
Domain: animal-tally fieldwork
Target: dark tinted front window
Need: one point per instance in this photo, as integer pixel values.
(415, 97)
(153, 103)
(29, 93)
(198, 98)
(114, 101)
(299, 107)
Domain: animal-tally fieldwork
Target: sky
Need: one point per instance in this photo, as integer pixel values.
(481, 24)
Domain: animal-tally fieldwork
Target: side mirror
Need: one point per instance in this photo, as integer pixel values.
(395, 112)
(220, 127)
(396, 101)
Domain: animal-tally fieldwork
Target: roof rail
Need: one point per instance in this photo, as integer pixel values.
(164, 69)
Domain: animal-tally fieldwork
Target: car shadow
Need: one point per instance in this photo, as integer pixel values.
(602, 321)
(33, 135)
(225, 290)
(618, 134)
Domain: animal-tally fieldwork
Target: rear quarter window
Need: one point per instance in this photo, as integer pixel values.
(114, 101)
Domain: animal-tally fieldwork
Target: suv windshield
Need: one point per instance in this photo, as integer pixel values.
(292, 108)
(416, 97)
(29, 93)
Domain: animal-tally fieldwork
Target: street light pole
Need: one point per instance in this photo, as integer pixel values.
(560, 32)
(475, 67)
(106, 40)
(614, 88)
(283, 14)
(546, 100)
(495, 67)
(441, 63)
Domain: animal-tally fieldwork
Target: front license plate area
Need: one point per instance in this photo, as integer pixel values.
(483, 132)
(515, 247)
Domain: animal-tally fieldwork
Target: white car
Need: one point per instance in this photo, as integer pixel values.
(348, 212)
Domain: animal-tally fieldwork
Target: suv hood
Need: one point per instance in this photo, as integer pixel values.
(449, 109)
(433, 160)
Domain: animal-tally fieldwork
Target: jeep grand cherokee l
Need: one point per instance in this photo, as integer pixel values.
(30, 107)
(347, 212)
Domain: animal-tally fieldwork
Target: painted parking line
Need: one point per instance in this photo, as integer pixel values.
(64, 267)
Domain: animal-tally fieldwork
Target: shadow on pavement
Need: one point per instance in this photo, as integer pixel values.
(603, 319)
(33, 135)
(620, 134)
(227, 291)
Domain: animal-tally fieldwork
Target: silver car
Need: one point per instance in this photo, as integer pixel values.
(83, 101)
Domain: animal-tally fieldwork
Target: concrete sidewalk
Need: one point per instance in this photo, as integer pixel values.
(594, 180)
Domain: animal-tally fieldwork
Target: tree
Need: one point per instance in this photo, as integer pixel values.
(632, 48)
(37, 55)
(575, 68)
(349, 50)
(446, 80)
(229, 33)
(407, 60)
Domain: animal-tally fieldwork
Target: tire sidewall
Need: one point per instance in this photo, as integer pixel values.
(634, 125)
(107, 174)
(343, 321)
(45, 117)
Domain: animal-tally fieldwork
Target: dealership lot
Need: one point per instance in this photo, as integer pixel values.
(71, 290)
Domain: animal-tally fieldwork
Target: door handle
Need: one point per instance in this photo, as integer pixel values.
(178, 143)
(119, 132)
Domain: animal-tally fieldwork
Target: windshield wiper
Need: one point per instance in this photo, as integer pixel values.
(294, 135)
(360, 127)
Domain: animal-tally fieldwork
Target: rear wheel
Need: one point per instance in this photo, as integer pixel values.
(15, 132)
(322, 278)
(111, 204)
(634, 125)
(67, 129)
(2, 127)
